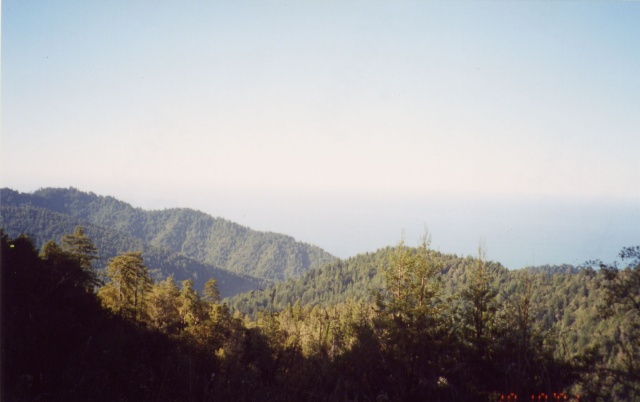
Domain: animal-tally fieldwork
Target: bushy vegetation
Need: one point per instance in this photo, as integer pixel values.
(428, 327)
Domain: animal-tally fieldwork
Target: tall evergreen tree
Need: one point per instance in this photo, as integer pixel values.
(128, 287)
(212, 292)
(80, 247)
(411, 323)
(192, 309)
(479, 333)
(164, 307)
(481, 299)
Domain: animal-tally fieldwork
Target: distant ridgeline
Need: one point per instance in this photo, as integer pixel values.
(184, 243)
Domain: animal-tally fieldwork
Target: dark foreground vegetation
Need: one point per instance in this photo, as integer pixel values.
(434, 328)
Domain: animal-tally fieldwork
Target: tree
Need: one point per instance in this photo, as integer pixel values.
(479, 315)
(164, 307)
(129, 285)
(414, 334)
(81, 248)
(211, 292)
(621, 306)
(397, 273)
(425, 271)
(192, 311)
(66, 269)
(622, 286)
(481, 300)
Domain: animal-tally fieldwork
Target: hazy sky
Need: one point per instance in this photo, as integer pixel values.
(340, 123)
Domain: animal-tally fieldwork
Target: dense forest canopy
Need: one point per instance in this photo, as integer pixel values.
(401, 324)
(103, 301)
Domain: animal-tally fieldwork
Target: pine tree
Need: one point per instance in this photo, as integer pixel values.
(164, 306)
(412, 324)
(126, 293)
(191, 310)
(212, 292)
(480, 306)
(82, 249)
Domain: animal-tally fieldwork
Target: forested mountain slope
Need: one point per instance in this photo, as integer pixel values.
(194, 234)
(562, 298)
(428, 326)
(356, 278)
(42, 225)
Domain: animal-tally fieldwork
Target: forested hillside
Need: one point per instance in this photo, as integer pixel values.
(214, 241)
(562, 304)
(436, 327)
(561, 297)
(399, 324)
(43, 225)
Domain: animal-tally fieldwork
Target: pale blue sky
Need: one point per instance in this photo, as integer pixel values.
(301, 117)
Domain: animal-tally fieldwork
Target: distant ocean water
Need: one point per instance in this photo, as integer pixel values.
(529, 233)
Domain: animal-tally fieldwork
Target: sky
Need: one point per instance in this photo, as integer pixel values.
(344, 124)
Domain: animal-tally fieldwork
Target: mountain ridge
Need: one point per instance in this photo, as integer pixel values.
(215, 242)
(42, 225)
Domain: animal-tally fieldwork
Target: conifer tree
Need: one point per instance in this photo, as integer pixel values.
(126, 293)
(212, 292)
(191, 309)
(411, 323)
(82, 249)
(66, 269)
(480, 335)
(164, 305)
